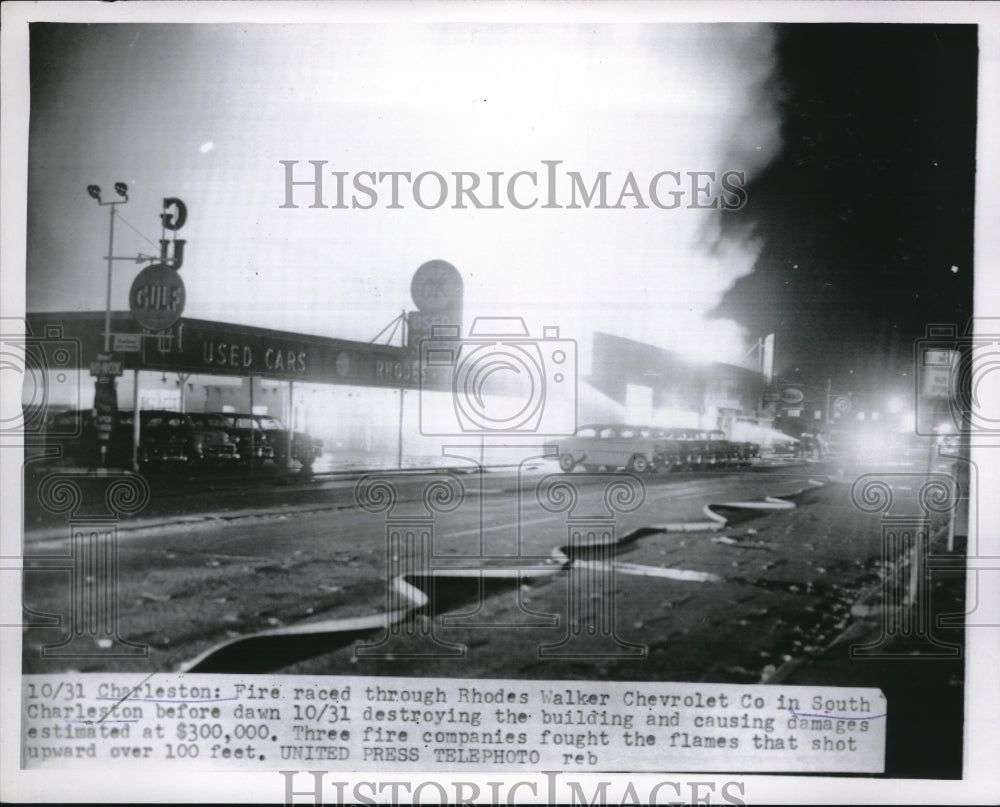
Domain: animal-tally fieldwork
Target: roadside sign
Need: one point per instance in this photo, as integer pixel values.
(436, 288)
(105, 404)
(772, 397)
(792, 396)
(157, 297)
(936, 373)
(127, 342)
(105, 365)
(420, 326)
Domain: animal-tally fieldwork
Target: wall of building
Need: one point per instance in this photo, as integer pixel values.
(682, 394)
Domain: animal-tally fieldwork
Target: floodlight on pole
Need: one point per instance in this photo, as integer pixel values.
(95, 192)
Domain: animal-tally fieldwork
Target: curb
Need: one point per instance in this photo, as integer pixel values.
(863, 609)
(61, 532)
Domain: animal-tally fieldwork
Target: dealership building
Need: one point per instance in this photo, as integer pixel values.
(364, 399)
(446, 381)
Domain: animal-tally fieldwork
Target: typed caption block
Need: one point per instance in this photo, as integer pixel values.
(228, 722)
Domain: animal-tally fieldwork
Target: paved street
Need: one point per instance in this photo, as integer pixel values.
(747, 575)
(774, 583)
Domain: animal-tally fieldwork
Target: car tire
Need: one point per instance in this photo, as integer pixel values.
(639, 464)
(566, 463)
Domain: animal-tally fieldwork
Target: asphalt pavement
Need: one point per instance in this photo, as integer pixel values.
(768, 574)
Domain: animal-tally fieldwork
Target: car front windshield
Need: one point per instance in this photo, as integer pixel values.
(211, 421)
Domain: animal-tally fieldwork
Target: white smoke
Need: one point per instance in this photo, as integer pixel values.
(437, 97)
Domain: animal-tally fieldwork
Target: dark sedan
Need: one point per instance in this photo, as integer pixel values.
(274, 435)
(245, 431)
(174, 436)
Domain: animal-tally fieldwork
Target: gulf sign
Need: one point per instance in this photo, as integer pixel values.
(157, 297)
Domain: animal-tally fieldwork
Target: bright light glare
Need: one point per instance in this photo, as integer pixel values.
(895, 405)
(206, 147)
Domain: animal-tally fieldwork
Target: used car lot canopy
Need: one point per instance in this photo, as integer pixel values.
(216, 348)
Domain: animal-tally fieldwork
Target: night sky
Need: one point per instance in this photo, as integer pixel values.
(869, 205)
(858, 139)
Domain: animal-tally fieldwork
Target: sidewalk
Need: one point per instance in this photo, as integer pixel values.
(923, 663)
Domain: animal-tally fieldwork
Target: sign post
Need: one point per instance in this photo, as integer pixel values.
(399, 446)
(156, 300)
(105, 396)
(436, 289)
(135, 420)
(105, 369)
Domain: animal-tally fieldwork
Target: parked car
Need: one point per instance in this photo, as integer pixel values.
(693, 449)
(171, 436)
(273, 434)
(244, 431)
(749, 451)
(164, 436)
(722, 453)
(668, 453)
(611, 446)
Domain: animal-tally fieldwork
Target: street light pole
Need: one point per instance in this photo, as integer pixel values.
(105, 395)
(107, 299)
(95, 192)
